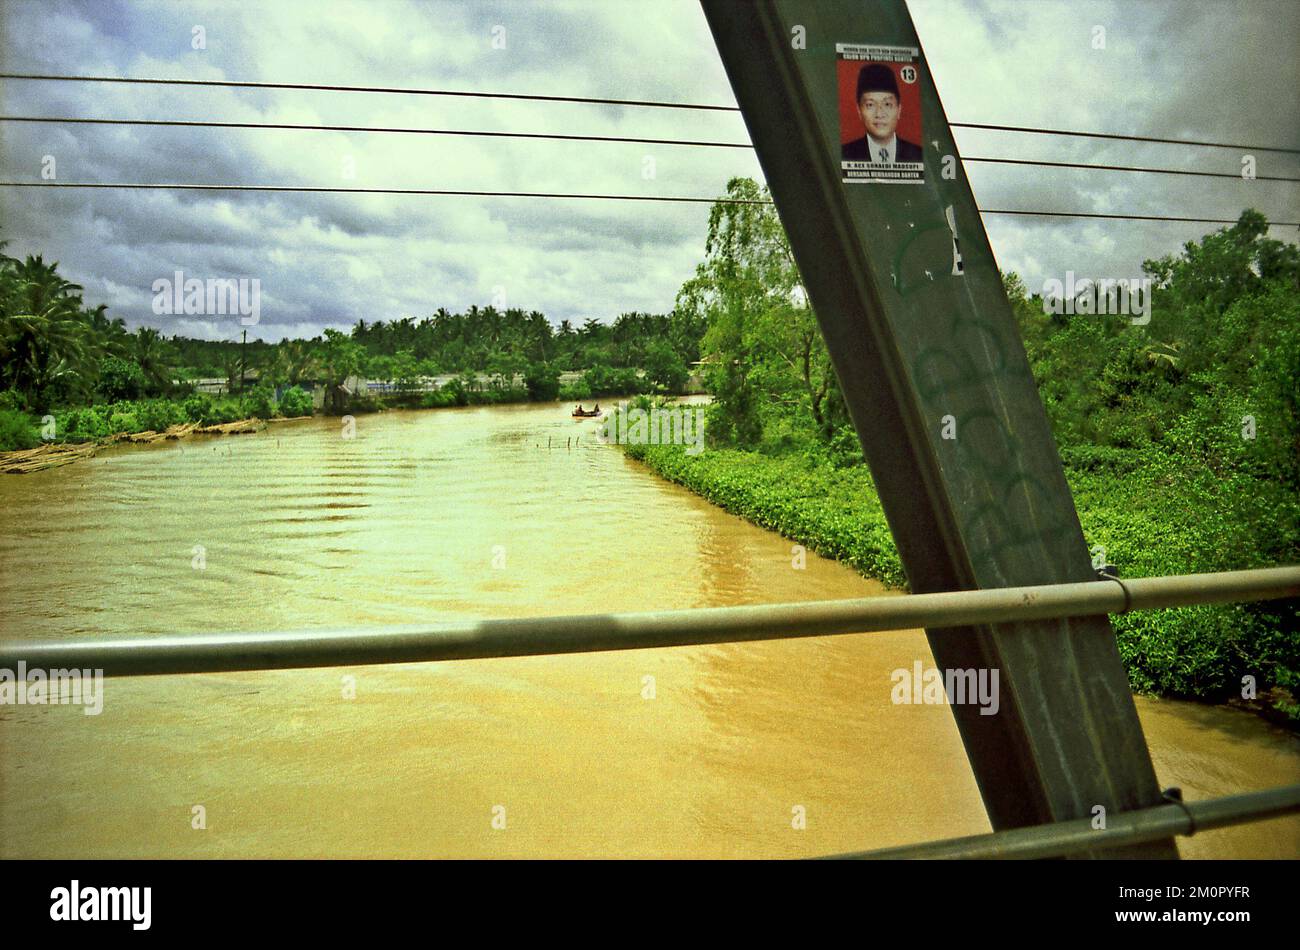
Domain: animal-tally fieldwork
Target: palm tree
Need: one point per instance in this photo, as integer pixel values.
(231, 368)
(300, 362)
(150, 352)
(111, 338)
(1168, 353)
(43, 336)
(540, 333)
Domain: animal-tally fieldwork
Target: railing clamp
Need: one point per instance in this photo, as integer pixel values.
(1175, 797)
(1110, 572)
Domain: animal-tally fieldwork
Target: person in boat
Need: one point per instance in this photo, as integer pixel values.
(579, 410)
(597, 409)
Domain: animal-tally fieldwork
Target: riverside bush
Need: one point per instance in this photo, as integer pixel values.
(194, 406)
(260, 401)
(296, 401)
(577, 391)
(1177, 518)
(17, 431)
(1165, 518)
(612, 381)
(81, 425)
(223, 410)
(834, 512)
(123, 422)
(158, 414)
(438, 399)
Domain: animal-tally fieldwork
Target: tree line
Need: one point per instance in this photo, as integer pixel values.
(56, 351)
(1220, 355)
(1180, 437)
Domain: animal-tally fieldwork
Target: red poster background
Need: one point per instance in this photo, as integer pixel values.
(909, 123)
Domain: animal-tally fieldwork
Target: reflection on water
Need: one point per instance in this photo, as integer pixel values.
(453, 514)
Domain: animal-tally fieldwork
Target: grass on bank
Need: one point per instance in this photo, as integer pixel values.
(21, 429)
(1158, 519)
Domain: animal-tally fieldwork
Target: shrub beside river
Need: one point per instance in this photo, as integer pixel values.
(22, 430)
(1157, 519)
(1179, 432)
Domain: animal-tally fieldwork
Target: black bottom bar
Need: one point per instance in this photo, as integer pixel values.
(475, 899)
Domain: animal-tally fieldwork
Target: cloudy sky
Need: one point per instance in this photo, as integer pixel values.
(1208, 70)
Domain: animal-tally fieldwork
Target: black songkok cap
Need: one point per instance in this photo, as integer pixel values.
(877, 77)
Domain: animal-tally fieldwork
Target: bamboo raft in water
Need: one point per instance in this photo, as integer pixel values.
(233, 428)
(45, 456)
(54, 454)
(171, 432)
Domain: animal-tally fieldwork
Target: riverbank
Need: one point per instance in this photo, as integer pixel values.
(56, 454)
(1153, 520)
(28, 436)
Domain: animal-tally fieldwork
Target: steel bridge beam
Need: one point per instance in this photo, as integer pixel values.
(922, 337)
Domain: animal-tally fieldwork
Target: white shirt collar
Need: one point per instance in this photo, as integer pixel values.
(891, 148)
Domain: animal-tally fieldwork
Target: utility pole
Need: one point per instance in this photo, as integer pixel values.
(909, 298)
(243, 361)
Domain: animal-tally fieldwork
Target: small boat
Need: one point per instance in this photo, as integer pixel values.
(585, 413)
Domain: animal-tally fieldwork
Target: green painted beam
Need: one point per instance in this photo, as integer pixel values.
(912, 308)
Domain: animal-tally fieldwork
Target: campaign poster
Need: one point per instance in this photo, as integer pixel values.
(881, 140)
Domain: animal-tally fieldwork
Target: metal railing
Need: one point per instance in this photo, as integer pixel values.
(1131, 827)
(209, 653)
(539, 636)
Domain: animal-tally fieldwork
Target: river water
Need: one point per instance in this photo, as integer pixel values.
(460, 514)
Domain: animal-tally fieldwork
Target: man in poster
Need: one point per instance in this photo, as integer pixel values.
(880, 107)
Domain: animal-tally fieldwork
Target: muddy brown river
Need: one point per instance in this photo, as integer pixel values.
(719, 751)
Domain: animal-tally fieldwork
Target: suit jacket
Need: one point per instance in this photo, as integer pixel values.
(859, 150)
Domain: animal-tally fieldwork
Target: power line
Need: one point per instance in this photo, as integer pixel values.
(306, 127)
(136, 186)
(1120, 138)
(311, 127)
(1129, 217)
(133, 186)
(1122, 168)
(396, 90)
(588, 100)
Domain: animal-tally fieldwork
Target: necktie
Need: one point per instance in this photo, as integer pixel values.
(884, 155)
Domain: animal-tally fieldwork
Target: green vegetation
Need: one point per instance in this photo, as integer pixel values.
(295, 402)
(511, 343)
(834, 512)
(58, 355)
(1181, 438)
(56, 351)
(1182, 443)
(766, 364)
(17, 431)
(88, 423)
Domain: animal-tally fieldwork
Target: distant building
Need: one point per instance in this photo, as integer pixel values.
(216, 385)
(220, 385)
